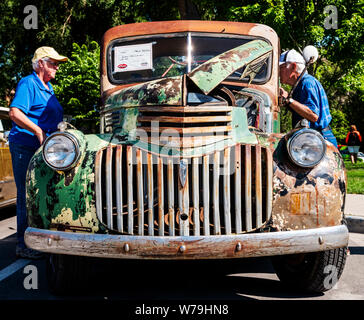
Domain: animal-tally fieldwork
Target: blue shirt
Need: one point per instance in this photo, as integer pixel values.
(310, 92)
(40, 105)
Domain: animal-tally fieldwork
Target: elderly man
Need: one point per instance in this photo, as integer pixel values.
(35, 112)
(309, 100)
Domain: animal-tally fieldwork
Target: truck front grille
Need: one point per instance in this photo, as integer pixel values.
(226, 192)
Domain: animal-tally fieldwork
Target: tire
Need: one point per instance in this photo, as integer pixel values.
(65, 273)
(312, 272)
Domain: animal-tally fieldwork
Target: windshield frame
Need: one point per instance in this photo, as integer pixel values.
(186, 34)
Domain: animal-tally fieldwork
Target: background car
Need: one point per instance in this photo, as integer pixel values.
(7, 182)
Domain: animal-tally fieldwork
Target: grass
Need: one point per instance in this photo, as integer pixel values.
(355, 173)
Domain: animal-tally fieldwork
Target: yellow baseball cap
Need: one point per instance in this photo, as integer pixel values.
(48, 52)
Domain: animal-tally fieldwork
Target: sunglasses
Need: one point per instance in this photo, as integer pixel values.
(54, 64)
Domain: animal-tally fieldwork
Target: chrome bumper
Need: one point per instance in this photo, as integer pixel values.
(192, 247)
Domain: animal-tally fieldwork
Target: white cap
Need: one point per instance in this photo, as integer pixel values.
(291, 56)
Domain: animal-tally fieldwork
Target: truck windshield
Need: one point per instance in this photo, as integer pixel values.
(144, 58)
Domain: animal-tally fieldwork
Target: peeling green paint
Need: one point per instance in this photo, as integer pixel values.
(66, 198)
(240, 132)
(208, 75)
(166, 91)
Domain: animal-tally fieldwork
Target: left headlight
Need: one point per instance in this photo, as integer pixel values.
(306, 148)
(61, 151)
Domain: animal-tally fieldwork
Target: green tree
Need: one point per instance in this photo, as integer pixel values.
(77, 84)
(297, 22)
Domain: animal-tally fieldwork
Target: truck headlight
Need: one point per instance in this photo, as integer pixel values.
(61, 151)
(306, 148)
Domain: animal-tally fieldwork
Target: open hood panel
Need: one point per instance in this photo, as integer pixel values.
(211, 73)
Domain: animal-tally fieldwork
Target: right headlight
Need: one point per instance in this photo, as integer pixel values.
(61, 151)
(306, 148)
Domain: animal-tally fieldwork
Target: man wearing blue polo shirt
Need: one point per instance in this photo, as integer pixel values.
(35, 112)
(309, 100)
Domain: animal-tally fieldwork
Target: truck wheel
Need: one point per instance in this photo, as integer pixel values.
(65, 273)
(314, 272)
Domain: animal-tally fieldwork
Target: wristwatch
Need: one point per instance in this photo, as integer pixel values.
(290, 100)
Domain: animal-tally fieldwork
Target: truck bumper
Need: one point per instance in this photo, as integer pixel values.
(191, 247)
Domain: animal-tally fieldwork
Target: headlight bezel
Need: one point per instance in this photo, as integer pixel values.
(291, 139)
(74, 141)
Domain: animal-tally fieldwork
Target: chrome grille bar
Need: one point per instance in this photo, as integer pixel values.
(215, 193)
(248, 189)
(238, 189)
(171, 216)
(150, 194)
(195, 196)
(258, 186)
(226, 175)
(160, 197)
(140, 193)
(129, 169)
(206, 196)
(119, 193)
(109, 205)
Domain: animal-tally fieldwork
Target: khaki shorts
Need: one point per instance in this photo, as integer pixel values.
(353, 149)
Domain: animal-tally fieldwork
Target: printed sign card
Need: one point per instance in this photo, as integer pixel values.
(133, 57)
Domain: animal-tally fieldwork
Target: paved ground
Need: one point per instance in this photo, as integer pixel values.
(354, 211)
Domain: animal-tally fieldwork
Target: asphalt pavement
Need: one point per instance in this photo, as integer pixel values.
(354, 212)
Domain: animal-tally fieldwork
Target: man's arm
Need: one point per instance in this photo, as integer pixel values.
(23, 121)
(300, 108)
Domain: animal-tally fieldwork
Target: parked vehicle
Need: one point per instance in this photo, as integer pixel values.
(190, 162)
(361, 156)
(7, 182)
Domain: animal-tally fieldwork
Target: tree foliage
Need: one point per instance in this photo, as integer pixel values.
(298, 23)
(77, 84)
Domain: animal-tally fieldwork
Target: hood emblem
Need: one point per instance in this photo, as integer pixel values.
(183, 172)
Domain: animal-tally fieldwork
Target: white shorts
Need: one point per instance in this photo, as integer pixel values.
(353, 149)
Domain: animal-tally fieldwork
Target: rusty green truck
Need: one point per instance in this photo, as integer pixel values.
(190, 162)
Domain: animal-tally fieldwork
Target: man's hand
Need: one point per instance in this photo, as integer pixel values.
(283, 93)
(41, 136)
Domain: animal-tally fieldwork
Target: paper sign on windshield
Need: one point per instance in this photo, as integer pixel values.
(133, 57)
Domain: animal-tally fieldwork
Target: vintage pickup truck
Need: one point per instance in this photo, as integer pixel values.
(189, 162)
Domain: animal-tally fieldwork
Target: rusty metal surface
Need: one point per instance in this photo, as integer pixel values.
(192, 247)
(308, 198)
(211, 73)
(166, 91)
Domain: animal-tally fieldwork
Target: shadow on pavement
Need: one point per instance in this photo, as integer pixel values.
(183, 280)
(356, 250)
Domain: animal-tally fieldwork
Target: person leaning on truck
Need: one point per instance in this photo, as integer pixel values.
(35, 113)
(309, 100)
